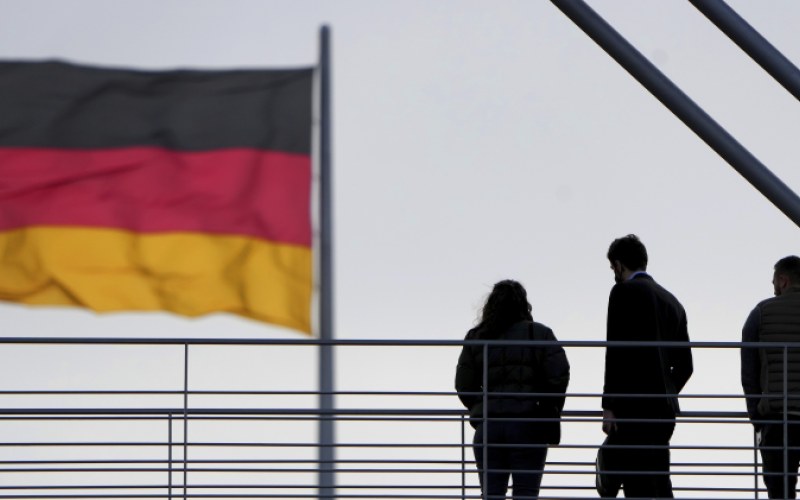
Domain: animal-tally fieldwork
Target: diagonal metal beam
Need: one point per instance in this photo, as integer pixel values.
(755, 172)
(751, 41)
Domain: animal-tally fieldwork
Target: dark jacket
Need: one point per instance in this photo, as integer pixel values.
(516, 369)
(640, 309)
(773, 320)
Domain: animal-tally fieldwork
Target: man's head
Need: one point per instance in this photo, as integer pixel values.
(627, 255)
(787, 274)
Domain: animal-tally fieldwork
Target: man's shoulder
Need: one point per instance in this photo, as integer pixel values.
(786, 300)
(639, 284)
(669, 297)
(646, 285)
(765, 302)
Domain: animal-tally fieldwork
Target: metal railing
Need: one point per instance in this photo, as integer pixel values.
(237, 418)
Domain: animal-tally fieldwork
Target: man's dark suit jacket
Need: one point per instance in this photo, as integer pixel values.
(640, 309)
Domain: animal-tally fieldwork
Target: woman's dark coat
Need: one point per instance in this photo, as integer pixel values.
(525, 370)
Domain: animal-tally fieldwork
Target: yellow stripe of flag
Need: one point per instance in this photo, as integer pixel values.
(187, 273)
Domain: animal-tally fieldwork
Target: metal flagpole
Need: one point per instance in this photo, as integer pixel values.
(327, 479)
(751, 41)
(682, 106)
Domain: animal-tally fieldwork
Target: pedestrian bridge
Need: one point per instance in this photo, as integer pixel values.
(143, 418)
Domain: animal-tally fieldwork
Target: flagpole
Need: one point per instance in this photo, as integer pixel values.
(327, 479)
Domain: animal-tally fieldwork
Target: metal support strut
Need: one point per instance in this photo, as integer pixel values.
(682, 106)
(751, 41)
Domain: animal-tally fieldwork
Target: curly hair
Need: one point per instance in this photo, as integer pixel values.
(505, 305)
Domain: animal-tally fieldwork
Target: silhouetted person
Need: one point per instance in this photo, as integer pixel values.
(516, 416)
(775, 320)
(639, 309)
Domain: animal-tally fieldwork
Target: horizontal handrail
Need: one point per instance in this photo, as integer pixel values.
(384, 342)
(175, 452)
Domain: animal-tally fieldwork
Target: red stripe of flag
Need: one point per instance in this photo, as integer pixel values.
(148, 189)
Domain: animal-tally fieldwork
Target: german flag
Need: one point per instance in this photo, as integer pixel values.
(185, 191)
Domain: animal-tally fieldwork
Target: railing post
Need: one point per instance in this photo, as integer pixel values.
(485, 423)
(463, 457)
(755, 462)
(169, 455)
(785, 422)
(185, 418)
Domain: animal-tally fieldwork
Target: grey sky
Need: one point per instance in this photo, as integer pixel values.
(477, 140)
(473, 141)
(481, 140)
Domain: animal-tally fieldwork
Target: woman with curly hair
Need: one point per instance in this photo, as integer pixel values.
(525, 394)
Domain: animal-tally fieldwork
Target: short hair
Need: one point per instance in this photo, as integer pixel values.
(789, 267)
(630, 251)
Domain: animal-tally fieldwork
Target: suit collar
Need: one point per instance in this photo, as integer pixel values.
(640, 275)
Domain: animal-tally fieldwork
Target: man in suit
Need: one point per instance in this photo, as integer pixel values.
(641, 383)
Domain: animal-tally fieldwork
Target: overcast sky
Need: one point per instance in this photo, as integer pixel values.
(473, 141)
(476, 141)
